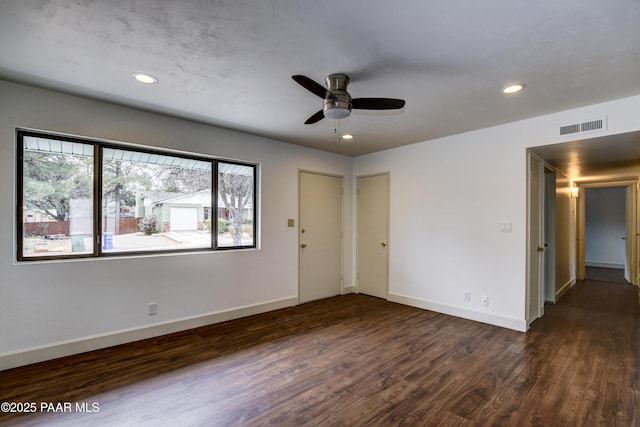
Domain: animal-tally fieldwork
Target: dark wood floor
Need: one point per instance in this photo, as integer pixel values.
(614, 275)
(356, 360)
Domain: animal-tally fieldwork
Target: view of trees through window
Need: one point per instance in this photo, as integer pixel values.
(57, 197)
(149, 201)
(235, 204)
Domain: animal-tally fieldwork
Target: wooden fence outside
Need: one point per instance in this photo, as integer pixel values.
(46, 228)
(52, 228)
(127, 225)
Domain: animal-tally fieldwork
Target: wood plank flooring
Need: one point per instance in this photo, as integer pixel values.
(355, 360)
(615, 275)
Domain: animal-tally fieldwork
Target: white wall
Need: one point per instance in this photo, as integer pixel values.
(565, 219)
(448, 199)
(605, 226)
(49, 309)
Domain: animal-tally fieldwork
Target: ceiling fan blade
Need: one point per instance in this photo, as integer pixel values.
(315, 118)
(377, 103)
(313, 87)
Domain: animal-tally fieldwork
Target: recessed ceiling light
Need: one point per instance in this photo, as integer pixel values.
(514, 88)
(145, 78)
(347, 136)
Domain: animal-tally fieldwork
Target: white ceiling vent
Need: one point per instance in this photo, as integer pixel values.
(584, 127)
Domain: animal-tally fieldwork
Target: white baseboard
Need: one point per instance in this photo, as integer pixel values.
(465, 313)
(565, 288)
(604, 265)
(81, 345)
(349, 289)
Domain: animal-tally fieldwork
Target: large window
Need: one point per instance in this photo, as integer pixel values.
(85, 198)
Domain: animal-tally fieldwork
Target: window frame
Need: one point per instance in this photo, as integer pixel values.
(97, 203)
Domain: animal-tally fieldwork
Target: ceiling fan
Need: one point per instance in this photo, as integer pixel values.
(338, 102)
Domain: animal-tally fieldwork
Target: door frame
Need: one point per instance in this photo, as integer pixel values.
(299, 240)
(631, 185)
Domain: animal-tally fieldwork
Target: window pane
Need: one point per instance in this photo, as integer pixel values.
(57, 197)
(154, 202)
(236, 215)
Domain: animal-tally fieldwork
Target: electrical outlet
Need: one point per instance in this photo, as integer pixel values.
(485, 300)
(152, 308)
(467, 295)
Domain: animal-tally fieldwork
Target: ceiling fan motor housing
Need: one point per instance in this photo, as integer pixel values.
(338, 106)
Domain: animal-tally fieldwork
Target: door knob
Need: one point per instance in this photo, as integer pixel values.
(303, 245)
(383, 244)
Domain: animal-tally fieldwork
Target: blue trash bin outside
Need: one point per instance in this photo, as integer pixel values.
(107, 240)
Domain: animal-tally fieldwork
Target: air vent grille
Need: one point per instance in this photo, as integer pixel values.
(594, 125)
(566, 130)
(589, 126)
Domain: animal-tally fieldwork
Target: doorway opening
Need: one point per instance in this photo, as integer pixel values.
(608, 231)
(600, 161)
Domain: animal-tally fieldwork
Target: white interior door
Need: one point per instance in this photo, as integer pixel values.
(535, 244)
(373, 232)
(320, 236)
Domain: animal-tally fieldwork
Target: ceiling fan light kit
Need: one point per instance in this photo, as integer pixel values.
(338, 106)
(337, 102)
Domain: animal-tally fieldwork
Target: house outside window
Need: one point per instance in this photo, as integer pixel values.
(148, 200)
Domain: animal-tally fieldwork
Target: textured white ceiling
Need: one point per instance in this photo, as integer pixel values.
(229, 62)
